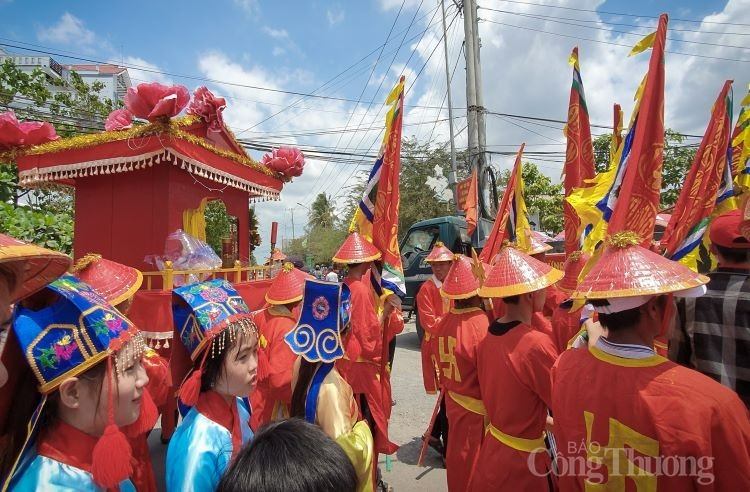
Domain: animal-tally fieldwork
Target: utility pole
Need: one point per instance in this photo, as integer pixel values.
(475, 103)
(291, 211)
(452, 174)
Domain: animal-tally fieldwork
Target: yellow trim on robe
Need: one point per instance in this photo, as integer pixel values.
(471, 404)
(650, 361)
(517, 443)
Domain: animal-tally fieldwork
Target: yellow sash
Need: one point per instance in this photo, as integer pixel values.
(471, 404)
(518, 443)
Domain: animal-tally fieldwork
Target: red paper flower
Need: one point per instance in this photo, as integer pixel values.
(154, 101)
(15, 134)
(208, 107)
(288, 161)
(119, 119)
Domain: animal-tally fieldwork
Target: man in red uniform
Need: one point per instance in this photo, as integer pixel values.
(459, 334)
(363, 365)
(273, 393)
(513, 366)
(565, 324)
(629, 419)
(431, 307)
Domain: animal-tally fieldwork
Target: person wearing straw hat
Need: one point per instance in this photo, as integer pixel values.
(431, 306)
(624, 414)
(713, 331)
(362, 363)
(567, 322)
(321, 396)
(24, 269)
(459, 333)
(514, 362)
(273, 393)
(84, 357)
(117, 284)
(219, 355)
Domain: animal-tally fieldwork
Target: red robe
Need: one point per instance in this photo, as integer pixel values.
(273, 395)
(661, 414)
(431, 308)
(364, 373)
(459, 335)
(514, 376)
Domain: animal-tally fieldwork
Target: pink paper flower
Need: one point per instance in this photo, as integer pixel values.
(155, 101)
(119, 119)
(208, 107)
(288, 161)
(27, 133)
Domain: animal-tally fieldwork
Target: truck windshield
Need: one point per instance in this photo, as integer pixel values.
(419, 240)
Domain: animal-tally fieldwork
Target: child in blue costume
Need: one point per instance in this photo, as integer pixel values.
(221, 348)
(85, 357)
(320, 395)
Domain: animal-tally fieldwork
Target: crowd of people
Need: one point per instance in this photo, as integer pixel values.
(546, 379)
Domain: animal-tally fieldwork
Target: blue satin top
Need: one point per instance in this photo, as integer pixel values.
(200, 451)
(45, 474)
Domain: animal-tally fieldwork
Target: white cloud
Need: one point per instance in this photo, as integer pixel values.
(335, 15)
(68, 30)
(278, 51)
(251, 7)
(276, 33)
(142, 71)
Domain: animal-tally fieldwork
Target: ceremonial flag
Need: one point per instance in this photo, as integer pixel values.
(579, 153)
(687, 226)
(376, 217)
(495, 239)
(641, 182)
(741, 146)
(518, 216)
(467, 200)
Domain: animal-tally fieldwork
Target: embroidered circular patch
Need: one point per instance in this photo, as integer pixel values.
(320, 308)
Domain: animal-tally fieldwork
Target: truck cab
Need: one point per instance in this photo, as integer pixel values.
(417, 244)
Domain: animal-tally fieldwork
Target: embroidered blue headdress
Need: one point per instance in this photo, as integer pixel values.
(324, 314)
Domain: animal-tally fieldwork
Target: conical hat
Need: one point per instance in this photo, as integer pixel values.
(745, 224)
(277, 255)
(288, 286)
(114, 281)
(461, 281)
(439, 253)
(37, 266)
(356, 249)
(626, 269)
(573, 266)
(536, 245)
(515, 272)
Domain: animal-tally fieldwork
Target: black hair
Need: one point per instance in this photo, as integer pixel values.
(465, 303)
(617, 321)
(299, 393)
(512, 299)
(732, 255)
(290, 456)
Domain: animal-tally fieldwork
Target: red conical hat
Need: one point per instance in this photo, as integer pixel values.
(356, 249)
(515, 272)
(536, 245)
(461, 281)
(288, 286)
(36, 266)
(625, 269)
(277, 255)
(573, 266)
(439, 253)
(745, 224)
(114, 281)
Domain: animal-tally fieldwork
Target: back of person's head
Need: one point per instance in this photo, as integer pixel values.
(727, 239)
(290, 456)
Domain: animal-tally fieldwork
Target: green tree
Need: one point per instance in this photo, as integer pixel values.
(73, 107)
(218, 224)
(254, 238)
(322, 213)
(678, 157)
(541, 196)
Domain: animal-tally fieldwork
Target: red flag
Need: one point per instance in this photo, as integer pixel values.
(470, 204)
(698, 196)
(579, 154)
(638, 199)
(495, 239)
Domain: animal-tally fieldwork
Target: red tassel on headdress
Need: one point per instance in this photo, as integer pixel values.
(191, 388)
(110, 460)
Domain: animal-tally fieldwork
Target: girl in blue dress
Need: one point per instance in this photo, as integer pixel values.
(221, 359)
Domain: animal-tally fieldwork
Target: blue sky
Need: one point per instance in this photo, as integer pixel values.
(350, 53)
